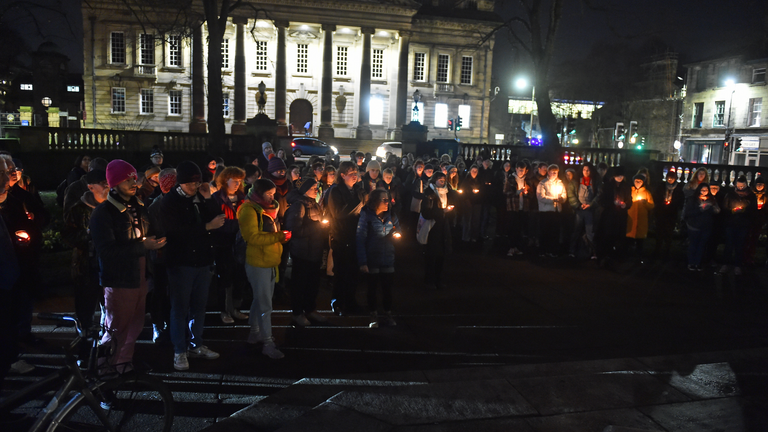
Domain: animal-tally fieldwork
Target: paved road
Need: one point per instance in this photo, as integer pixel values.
(497, 312)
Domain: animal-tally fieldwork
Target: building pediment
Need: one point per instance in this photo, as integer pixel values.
(395, 7)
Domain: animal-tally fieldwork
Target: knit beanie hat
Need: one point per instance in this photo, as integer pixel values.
(266, 144)
(152, 171)
(760, 180)
(119, 171)
(167, 180)
(98, 164)
(156, 152)
(428, 167)
(276, 164)
(95, 176)
(374, 164)
(188, 172)
(305, 184)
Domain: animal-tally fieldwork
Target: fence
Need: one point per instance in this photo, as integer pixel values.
(569, 155)
(725, 175)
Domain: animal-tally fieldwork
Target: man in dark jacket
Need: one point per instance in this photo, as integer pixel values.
(188, 214)
(9, 269)
(118, 228)
(669, 200)
(615, 200)
(434, 207)
(345, 201)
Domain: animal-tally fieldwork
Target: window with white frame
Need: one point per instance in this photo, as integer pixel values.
(26, 87)
(174, 102)
(755, 111)
(441, 115)
(117, 47)
(376, 113)
(443, 63)
(225, 104)
(758, 75)
(417, 112)
(261, 55)
(419, 66)
(341, 60)
(147, 101)
(719, 117)
(225, 54)
(174, 51)
(464, 112)
(377, 64)
(118, 100)
(73, 88)
(146, 49)
(466, 70)
(302, 58)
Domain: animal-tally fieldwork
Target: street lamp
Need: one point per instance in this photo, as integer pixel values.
(730, 84)
(522, 83)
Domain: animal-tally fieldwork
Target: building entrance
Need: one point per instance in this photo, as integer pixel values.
(300, 115)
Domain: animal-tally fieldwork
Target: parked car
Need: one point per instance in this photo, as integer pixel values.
(388, 148)
(311, 146)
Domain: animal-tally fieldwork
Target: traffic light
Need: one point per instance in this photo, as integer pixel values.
(618, 132)
(632, 132)
(458, 123)
(450, 124)
(737, 144)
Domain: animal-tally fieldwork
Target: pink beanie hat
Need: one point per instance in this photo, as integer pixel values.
(118, 171)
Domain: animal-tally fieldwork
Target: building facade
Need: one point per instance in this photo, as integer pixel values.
(723, 119)
(344, 69)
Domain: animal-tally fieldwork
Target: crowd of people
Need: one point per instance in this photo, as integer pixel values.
(158, 239)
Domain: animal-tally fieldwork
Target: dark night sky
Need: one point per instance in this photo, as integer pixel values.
(696, 29)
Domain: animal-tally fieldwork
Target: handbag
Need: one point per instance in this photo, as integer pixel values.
(423, 228)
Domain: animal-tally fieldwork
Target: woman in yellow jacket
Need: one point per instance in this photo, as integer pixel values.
(261, 231)
(638, 213)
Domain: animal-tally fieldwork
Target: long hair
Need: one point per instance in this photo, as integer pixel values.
(228, 173)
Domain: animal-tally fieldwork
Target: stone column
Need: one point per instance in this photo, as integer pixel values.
(402, 110)
(238, 127)
(325, 131)
(281, 71)
(198, 124)
(364, 108)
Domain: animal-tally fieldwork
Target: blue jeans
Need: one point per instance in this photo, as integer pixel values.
(697, 245)
(583, 226)
(189, 294)
(263, 284)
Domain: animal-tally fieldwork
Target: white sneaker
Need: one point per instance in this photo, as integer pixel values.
(180, 362)
(203, 352)
(254, 337)
(21, 367)
(374, 320)
(271, 351)
(226, 318)
(300, 320)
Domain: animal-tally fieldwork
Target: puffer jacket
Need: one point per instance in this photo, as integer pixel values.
(547, 192)
(374, 240)
(308, 234)
(261, 234)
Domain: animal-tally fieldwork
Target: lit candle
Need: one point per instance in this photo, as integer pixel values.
(475, 190)
(324, 221)
(396, 235)
(460, 191)
(287, 235)
(22, 236)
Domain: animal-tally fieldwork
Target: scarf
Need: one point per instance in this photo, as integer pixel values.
(586, 181)
(270, 209)
(442, 193)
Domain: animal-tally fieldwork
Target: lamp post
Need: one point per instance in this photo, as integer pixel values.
(729, 83)
(523, 83)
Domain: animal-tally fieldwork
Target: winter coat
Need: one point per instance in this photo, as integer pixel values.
(308, 234)
(548, 192)
(118, 245)
(469, 185)
(587, 194)
(517, 200)
(739, 210)
(614, 195)
(700, 214)
(637, 215)
(572, 192)
(368, 183)
(225, 236)
(414, 188)
(9, 266)
(75, 233)
(374, 244)
(344, 206)
(439, 239)
(184, 218)
(394, 193)
(669, 202)
(261, 234)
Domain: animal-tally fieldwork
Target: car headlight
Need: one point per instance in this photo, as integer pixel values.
(335, 150)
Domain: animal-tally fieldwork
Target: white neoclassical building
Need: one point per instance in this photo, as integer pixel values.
(345, 68)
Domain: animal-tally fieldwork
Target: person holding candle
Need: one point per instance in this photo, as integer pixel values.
(472, 188)
(551, 195)
(260, 228)
(615, 200)
(669, 198)
(518, 195)
(638, 214)
(377, 229)
(699, 215)
(758, 221)
(740, 205)
(413, 193)
(437, 205)
(701, 175)
(309, 235)
(585, 211)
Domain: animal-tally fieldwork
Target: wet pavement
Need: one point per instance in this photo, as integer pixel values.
(528, 344)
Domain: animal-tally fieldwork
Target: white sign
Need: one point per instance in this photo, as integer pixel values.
(750, 142)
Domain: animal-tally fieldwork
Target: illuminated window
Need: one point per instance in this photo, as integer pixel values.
(464, 112)
(755, 110)
(341, 60)
(419, 62)
(73, 89)
(26, 87)
(417, 115)
(441, 115)
(466, 70)
(118, 100)
(225, 104)
(443, 61)
(174, 102)
(225, 54)
(147, 103)
(117, 47)
(376, 116)
(377, 64)
(174, 51)
(261, 55)
(302, 59)
(718, 120)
